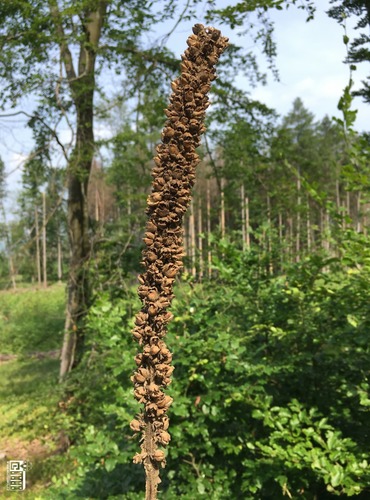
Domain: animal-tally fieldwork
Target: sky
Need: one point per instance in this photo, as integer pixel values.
(309, 60)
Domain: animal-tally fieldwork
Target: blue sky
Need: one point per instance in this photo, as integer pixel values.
(309, 59)
(310, 62)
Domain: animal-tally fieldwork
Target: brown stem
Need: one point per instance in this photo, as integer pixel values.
(173, 179)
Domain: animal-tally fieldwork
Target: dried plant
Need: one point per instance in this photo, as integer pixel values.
(174, 175)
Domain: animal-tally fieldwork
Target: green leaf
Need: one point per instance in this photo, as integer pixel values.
(110, 464)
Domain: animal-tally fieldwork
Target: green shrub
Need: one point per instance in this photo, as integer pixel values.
(271, 386)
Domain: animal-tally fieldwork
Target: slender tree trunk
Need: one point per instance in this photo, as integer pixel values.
(298, 228)
(290, 238)
(44, 255)
(247, 218)
(185, 242)
(358, 206)
(209, 253)
(280, 232)
(337, 193)
(200, 239)
(348, 205)
(82, 86)
(308, 221)
(60, 269)
(8, 248)
(242, 197)
(38, 266)
(269, 242)
(129, 208)
(192, 238)
(96, 202)
(12, 271)
(222, 215)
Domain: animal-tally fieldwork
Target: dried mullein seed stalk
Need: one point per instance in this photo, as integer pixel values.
(173, 177)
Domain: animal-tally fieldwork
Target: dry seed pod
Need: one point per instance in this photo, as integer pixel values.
(159, 455)
(173, 177)
(140, 379)
(137, 335)
(164, 437)
(138, 458)
(135, 425)
(154, 350)
(153, 295)
(152, 310)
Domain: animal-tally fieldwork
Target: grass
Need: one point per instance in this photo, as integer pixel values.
(28, 404)
(31, 320)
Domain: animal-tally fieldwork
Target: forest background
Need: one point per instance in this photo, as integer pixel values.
(270, 336)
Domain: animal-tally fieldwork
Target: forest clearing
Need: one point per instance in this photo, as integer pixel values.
(184, 302)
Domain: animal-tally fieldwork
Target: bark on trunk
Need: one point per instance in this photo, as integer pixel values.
(60, 268)
(222, 215)
(209, 254)
(82, 85)
(44, 256)
(200, 239)
(38, 267)
(78, 227)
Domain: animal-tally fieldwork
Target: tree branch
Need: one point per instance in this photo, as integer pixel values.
(37, 117)
(65, 53)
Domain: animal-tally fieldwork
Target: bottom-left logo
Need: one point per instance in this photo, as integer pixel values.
(16, 474)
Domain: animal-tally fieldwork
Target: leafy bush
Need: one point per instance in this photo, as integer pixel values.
(271, 386)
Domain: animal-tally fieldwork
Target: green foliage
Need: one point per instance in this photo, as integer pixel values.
(358, 52)
(271, 386)
(31, 320)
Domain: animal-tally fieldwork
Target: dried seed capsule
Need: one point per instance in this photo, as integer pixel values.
(152, 310)
(164, 438)
(138, 458)
(135, 425)
(140, 379)
(166, 423)
(154, 350)
(137, 335)
(141, 318)
(138, 359)
(170, 271)
(158, 455)
(151, 256)
(151, 226)
(197, 28)
(153, 387)
(153, 295)
(139, 391)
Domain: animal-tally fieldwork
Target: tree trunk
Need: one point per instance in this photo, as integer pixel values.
(192, 238)
(222, 218)
(9, 248)
(200, 239)
(308, 225)
(298, 228)
(358, 210)
(44, 257)
(60, 269)
(209, 254)
(247, 223)
(82, 88)
(38, 267)
(244, 233)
